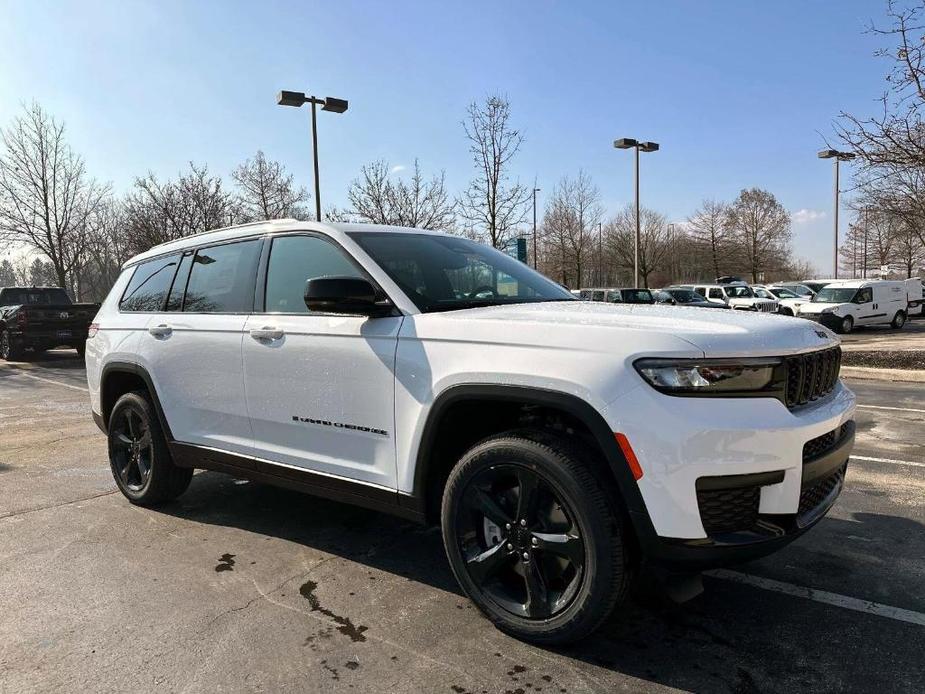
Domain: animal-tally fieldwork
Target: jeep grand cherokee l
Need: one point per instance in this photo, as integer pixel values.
(556, 442)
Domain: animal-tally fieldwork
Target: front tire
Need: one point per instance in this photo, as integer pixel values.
(847, 325)
(533, 538)
(138, 456)
(899, 320)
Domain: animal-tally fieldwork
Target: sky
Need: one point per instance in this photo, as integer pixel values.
(738, 94)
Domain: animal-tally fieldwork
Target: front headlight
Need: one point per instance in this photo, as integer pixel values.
(830, 309)
(709, 376)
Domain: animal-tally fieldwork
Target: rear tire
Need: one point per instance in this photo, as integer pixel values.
(8, 351)
(138, 456)
(899, 320)
(547, 563)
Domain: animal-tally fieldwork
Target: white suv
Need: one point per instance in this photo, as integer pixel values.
(737, 295)
(557, 442)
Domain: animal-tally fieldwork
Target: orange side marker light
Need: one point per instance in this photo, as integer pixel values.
(630, 456)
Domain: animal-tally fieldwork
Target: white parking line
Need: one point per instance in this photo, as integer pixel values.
(887, 460)
(823, 596)
(894, 409)
(48, 380)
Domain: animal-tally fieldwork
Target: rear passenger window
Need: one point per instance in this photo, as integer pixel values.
(222, 279)
(716, 293)
(296, 259)
(702, 291)
(149, 284)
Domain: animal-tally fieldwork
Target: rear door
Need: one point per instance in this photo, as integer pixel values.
(320, 387)
(192, 346)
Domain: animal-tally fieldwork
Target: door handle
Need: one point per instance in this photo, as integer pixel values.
(160, 330)
(267, 333)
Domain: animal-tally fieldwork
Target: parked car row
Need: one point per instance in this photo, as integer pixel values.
(838, 304)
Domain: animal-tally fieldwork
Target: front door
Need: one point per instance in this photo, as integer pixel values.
(863, 308)
(320, 387)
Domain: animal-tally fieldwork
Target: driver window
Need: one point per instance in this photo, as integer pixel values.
(295, 260)
(865, 296)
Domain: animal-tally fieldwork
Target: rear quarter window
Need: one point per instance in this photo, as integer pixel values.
(222, 278)
(148, 287)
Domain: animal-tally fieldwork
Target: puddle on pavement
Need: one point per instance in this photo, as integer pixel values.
(345, 625)
(225, 563)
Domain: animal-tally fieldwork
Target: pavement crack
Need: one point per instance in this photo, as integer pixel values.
(12, 514)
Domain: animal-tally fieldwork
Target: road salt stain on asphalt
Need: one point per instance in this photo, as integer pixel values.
(345, 625)
(225, 563)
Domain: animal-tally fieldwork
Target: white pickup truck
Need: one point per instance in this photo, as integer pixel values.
(557, 443)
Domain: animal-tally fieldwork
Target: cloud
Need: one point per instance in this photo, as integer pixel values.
(397, 169)
(805, 216)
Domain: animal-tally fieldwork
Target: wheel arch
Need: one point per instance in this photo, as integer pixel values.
(431, 471)
(120, 377)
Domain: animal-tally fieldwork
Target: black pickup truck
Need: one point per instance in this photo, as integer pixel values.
(40, 318)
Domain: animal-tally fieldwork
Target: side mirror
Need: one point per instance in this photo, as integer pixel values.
(351, 295)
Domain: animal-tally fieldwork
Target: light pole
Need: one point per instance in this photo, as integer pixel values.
(838, 157)
(600, 254)
(330, 103)
(535, 191)
(628, 143)
(866, 221)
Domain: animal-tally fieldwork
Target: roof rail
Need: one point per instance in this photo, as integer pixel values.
(233, 226)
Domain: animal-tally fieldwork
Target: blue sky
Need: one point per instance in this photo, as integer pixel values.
(739, 94)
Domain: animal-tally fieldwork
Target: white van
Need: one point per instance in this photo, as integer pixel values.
(846, 304)
(914, 298)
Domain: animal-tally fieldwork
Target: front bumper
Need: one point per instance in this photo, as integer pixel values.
(702, 457)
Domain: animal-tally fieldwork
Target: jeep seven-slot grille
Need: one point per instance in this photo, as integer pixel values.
(818, 492)
(811, 376)
(821, 445)
(728, 510)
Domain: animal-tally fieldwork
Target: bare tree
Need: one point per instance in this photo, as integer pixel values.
(572, 213)
(620, 234)
(158, 212)
(708, 230)
(380, 197)
(266, 191)
(761, 227)
(46, 195)
(492, 203)
(895, 137)
(908, 250)
(108, 247)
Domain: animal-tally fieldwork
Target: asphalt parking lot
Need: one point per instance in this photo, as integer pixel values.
(242, 587)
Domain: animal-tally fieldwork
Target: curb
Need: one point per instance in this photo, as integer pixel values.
(872, 373)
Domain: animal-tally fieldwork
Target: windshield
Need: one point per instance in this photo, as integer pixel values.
(12, 297)
(784, 293)
(835, 295)
(739, 292)
(763, 293)
(636, 296)
(446, 273)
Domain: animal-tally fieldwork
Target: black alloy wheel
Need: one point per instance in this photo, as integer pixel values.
(522, 547)
(131, 448)
(534, 538)
(138, 453)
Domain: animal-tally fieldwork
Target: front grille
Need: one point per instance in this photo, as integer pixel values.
(728, 510)
(767, 307)
(811, 376)
(819, 446)
(819, 491)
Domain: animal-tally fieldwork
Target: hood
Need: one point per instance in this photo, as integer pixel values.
(817, 306)
(597, 325)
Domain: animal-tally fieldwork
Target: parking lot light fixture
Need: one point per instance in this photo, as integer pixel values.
(630, 143)
(330, 103)
(837, 157)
